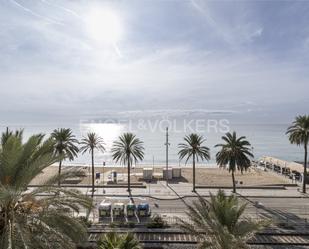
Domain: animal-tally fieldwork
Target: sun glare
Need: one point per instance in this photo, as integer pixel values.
(104, 25)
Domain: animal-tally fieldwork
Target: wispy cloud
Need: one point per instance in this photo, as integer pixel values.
(61, 8)
(233, 29)
(204, 57)
(35, 14)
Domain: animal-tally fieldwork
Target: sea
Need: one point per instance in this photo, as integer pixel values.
(267, 137)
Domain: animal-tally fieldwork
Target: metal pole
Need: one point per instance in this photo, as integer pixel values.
(166, 144)
(103, 178)
(252, 149)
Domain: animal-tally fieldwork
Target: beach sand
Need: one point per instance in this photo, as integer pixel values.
(204, 176)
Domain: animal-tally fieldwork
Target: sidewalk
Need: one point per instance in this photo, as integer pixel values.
(160, 190)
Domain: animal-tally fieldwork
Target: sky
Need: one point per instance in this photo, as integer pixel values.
(66, 59)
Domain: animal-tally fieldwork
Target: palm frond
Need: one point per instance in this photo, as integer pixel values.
(219, 223)
(29, 221)
(128, 149)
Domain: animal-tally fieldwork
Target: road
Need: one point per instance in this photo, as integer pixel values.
(274, 208)
(280, 204)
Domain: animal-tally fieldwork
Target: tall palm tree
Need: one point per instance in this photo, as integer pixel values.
(220, 223)
(64, 145)
(193, 148)
(89, 143)
(112, 240)
(126, 150)
(299, 134)
(235, 153)
(28, 221)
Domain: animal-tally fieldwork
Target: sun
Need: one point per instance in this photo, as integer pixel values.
(104, 25)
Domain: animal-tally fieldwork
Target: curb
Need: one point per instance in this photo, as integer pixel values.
(192, 196)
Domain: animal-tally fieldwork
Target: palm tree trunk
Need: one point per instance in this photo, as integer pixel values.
(129, 179)
(234, 185)
(10, 237)
(305, 169)
(59, 172)
(193, 173)
(92, 166)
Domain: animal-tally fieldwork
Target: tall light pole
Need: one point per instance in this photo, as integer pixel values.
(103, 177)
(252, 149)
(167, 144)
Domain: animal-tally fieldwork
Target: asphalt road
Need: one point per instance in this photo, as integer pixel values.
(281, 208)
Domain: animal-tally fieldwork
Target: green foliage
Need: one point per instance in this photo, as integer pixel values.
(235, 153)
(299, 134)
(299, 131)
(156, 222)
(113, 240)
(128, 149)
(64, 146)
(85, 221)
(129, 224)
(8, 133)
(27, 221)
(193, 148)
(113, 224)
(220, 223)
(89, 143)
(65, 143)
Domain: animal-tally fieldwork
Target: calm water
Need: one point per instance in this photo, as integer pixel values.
(266, 139)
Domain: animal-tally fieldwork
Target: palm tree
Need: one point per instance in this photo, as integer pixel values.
(299, 135)
(127, 149)
(220, 223)
(89, 143)
(64, 145)
(235, 153)
(28, 221)
(193, 148)
(8, 133)
(112, 240)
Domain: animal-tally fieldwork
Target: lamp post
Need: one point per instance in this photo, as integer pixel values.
(103, 190)
(252, 148)
(167, 144)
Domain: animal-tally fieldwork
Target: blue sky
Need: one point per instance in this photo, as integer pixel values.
(243, 56)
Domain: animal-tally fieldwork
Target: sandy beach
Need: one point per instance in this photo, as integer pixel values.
(209, 176)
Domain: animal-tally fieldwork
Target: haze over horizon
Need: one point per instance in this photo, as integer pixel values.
(68, 59)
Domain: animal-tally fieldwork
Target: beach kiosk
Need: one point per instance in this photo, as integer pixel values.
(143, 210)
(118, 209)
(176, 172)
(105, 209)
(147, 173)
(130, 209)
(167, 174)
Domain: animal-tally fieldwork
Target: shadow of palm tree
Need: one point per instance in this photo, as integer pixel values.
(179, 196)
(277, 215)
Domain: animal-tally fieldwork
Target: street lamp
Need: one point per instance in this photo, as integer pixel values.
(103, 177)
(166, 144)
(252, 148)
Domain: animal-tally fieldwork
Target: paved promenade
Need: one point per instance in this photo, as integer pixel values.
(161, 190)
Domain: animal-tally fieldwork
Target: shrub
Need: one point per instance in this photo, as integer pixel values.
(156, 222)
(87, 222)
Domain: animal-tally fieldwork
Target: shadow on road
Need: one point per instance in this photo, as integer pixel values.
(279, 216)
